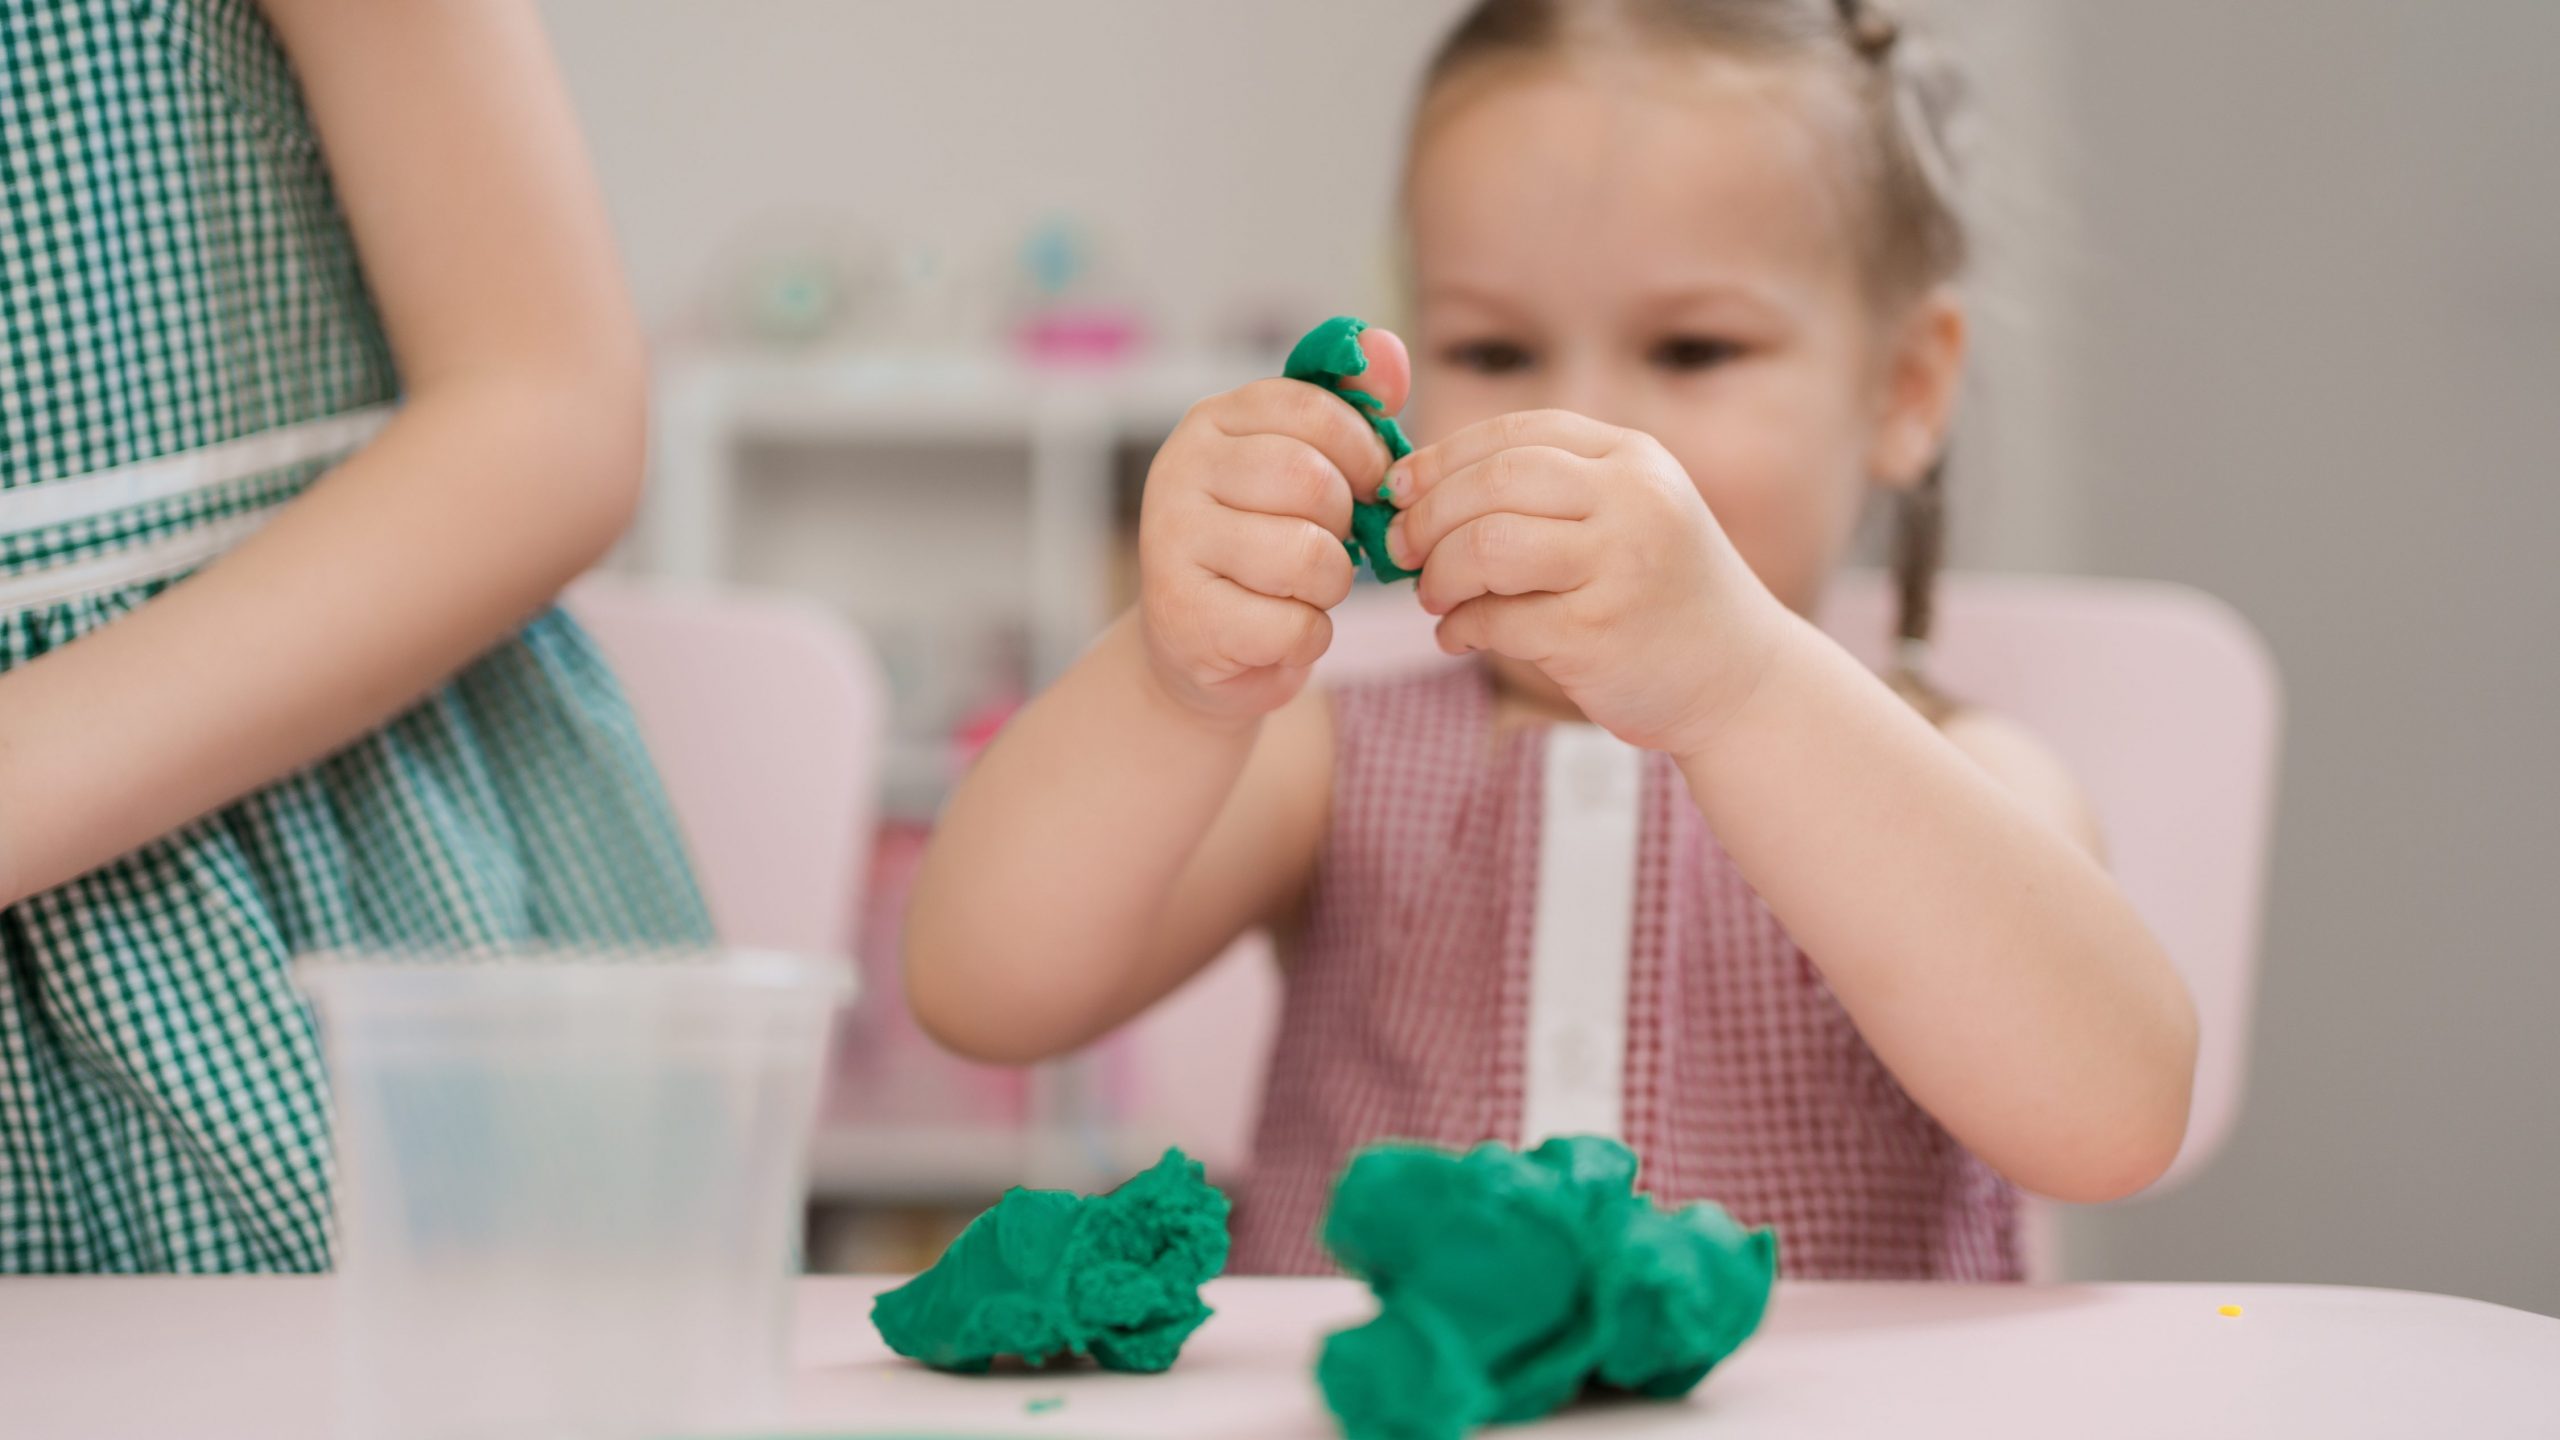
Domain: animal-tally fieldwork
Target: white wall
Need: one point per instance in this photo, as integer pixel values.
(2318, 372)
(1222, 149)
(1234, 155)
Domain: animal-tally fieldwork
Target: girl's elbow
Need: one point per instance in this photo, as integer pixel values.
(2131, 1164)
(577, 415)
(608, 416)
(2158, 1130)
(2151, 1125)
(960, 1017)
(2131, 1154)
(972, 1036)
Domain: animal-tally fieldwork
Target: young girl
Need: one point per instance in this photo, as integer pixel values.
(1685, 273)
(234, 238)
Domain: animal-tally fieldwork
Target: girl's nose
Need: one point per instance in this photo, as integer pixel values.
(1575, 383)
(1583, 385)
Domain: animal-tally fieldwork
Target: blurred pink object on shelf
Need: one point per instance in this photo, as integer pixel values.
(978, 729)
(1070, 335)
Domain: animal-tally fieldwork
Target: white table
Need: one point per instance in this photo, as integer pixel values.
(229, 1359)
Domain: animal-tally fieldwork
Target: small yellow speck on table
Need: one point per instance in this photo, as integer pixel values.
(2230, 1312)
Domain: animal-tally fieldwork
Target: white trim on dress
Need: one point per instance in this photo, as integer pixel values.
(88, 497)
(1580, 947)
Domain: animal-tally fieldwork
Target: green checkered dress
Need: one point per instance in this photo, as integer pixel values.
(185, 342)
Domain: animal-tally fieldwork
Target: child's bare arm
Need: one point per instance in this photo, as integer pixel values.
(1949, 888)
(513, 462)
(1170, 790)
(1105, 848)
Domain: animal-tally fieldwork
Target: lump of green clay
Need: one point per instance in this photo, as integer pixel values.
(1508, 1283)
(1330, 356)
(1046, 1274)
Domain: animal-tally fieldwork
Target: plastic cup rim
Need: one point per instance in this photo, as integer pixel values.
(337, 978)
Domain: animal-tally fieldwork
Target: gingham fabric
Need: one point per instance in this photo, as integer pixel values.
(1407, 999)
(174, 272)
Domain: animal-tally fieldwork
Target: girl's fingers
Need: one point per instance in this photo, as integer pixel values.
(1507, 554)
(1285, 476)
(1523, 627)
(1421, 472)
(1389, 378)
(1537, 480)
(1256, 632)
(1286, 557)
(1310, 413)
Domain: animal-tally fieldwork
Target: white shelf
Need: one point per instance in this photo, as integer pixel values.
(898, 398)
(1065, 429)
(1068, 423)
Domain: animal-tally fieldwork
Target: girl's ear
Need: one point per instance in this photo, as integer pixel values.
(1923, 379)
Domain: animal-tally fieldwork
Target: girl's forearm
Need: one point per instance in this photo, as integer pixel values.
(1990, 962)
(1037, 919)
(463, 518)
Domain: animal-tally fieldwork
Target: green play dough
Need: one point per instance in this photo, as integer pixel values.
(1047, 1273)
(1507, 1283)
(1330, 356)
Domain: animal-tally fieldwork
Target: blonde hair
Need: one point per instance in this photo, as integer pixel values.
(1909, 103)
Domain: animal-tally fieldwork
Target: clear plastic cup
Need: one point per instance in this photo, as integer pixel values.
(569, 1188)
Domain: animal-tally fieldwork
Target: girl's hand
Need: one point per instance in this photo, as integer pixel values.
(1585, 550)
(1240, 536)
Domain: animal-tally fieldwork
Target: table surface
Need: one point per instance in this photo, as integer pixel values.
(214, 1359)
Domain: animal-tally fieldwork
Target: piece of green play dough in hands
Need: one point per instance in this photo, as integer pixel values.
(1509, 1283)
(1048, 1273)
(1330, 356)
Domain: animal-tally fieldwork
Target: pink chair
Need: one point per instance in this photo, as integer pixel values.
(766, 716)
(2162, 700)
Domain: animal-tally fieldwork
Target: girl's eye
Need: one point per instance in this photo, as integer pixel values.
(1489, 357)
(1694, 352)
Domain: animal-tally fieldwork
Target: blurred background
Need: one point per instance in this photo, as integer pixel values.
(2272, 309)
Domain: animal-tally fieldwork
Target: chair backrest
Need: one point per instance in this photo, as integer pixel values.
(766, 716)
(2162, 701)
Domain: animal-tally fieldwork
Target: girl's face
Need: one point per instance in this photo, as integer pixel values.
(1669, 245)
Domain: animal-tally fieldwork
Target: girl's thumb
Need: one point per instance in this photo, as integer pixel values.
(1390, 373)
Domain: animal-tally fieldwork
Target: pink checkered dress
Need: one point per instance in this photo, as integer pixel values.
(1745, 1081)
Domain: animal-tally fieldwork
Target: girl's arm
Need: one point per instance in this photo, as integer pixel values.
(512, 464)
(1950, 900)
(1172, 789)
(1106, 847)
(1948, 888)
